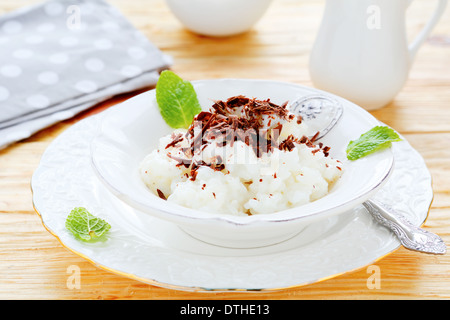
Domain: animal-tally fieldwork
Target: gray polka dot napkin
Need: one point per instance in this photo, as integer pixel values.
(59, 58)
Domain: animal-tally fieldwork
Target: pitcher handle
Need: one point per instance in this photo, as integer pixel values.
(415, 45)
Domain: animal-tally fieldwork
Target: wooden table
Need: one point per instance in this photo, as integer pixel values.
(33, 264)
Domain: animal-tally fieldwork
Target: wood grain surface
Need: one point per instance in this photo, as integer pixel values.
(34, 265)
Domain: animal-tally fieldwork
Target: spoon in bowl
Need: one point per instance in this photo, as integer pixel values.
(322, 114)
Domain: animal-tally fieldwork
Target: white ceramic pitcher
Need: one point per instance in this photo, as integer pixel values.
(361, 51)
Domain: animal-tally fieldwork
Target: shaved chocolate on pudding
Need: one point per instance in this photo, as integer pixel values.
(257, 123)
(243, 156)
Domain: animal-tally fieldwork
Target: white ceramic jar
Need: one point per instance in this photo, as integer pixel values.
(218, 18)
(361, 52)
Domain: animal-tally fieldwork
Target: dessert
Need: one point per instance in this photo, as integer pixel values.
(243, 157)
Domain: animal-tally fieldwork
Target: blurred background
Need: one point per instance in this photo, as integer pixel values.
(33, 263)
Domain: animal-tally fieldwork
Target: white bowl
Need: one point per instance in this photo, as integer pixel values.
(218, 17)
(132, 130)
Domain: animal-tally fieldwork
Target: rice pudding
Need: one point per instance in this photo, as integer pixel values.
(242, 157)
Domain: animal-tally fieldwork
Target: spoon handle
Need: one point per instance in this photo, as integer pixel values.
(411, 237)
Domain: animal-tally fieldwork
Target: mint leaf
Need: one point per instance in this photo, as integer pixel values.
(177, 100)
(377, 138)
(86, 226)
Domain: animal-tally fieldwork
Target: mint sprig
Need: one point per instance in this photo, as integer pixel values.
(177, 100)
(86, 226)
(376, 139)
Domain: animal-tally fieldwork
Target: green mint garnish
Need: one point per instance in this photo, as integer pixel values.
(377, 138)
(86, 226)
(177, 100)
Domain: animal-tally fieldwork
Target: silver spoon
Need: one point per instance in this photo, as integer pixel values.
(410, 236)
(322, 114)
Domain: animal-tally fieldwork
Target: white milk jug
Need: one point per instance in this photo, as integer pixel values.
(361, 51)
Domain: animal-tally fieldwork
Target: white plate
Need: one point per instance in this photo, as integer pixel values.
(157, 252)
(132, 130)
